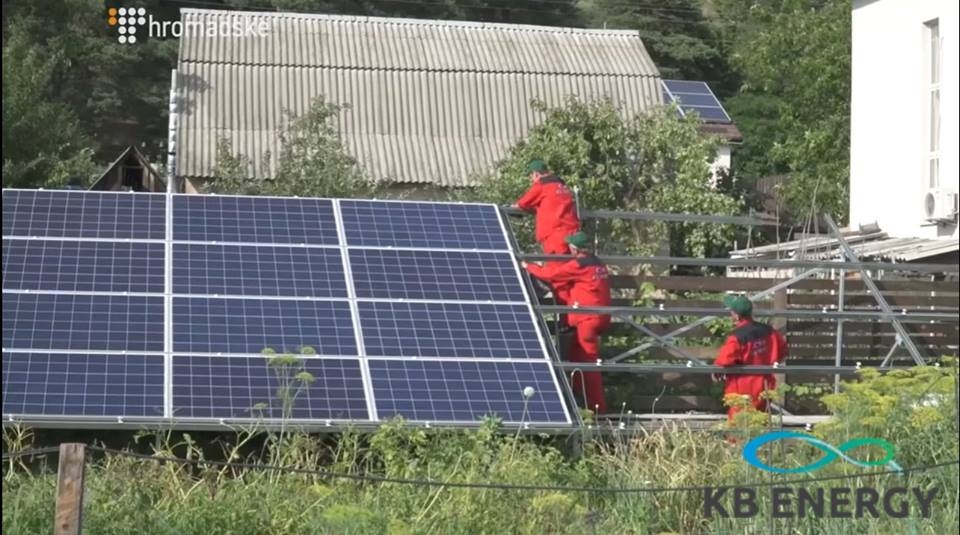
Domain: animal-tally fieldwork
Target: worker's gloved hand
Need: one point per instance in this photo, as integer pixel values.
(718, 377)
(515, 214)
(524, 264)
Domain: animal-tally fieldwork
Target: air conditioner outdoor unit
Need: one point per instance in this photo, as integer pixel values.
(939, 204)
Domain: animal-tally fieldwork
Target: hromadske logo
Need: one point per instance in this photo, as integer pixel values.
(836, 502)
(133, 23)
(752, 448)
(128, 22)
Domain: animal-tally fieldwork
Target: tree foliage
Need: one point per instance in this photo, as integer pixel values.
(652, 162)
(798, 52)
(539, 12)
(43, 144)
(681, 40)
(312, 162)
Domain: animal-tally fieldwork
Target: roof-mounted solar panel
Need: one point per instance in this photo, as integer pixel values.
(695, 97)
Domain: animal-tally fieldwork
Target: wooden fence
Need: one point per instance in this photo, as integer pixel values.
(809, 340)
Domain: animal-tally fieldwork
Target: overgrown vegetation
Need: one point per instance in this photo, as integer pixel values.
(312, 162)
(125, 495)
(654, 162)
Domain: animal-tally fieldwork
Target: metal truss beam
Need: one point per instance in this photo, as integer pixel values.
(904, 317)
(660, 216)
(657, 369)
(872, 286)
(754, 263)
(665, 339)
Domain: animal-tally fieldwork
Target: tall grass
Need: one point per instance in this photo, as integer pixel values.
(127, 495)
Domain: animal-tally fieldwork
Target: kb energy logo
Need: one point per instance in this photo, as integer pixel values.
(835, 502)
(133, 23)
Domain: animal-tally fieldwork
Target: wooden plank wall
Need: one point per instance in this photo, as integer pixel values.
(810, 340)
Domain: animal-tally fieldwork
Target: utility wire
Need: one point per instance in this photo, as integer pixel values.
(502, 486)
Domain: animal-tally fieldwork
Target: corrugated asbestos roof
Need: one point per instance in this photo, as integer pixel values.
(430, 101)
(870, 243)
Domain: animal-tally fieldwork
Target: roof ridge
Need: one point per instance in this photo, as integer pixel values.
(415, 22)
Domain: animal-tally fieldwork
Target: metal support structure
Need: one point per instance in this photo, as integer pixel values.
(657, 369)
(748, 262)
(872, 286)
(706, 319)
(863, 315)
(676, 351)
(897, 342)
(660, 216)
(839, 349)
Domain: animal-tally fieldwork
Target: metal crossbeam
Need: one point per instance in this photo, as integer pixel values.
(674, 350)
(660, 216)
(751, 263)
(621, 367)
(706, 319)
(906, 317)
(872, 286)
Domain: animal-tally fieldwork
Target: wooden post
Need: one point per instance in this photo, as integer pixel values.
(69, 512)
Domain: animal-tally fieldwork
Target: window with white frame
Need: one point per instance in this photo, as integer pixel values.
(932, 83)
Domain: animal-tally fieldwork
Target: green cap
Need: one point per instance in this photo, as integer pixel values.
(536, 165)
(739, 304)
(578, 240)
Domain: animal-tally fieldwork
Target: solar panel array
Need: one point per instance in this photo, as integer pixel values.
(695, 97)
(409, 309)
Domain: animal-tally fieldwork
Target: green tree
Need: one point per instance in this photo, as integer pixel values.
(42, 141)
(312, 162)
(539, 12)
(653, 162)
(680, 39)
(117, 93)
(798, 52)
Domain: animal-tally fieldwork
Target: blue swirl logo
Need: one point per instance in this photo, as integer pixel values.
(831, 452)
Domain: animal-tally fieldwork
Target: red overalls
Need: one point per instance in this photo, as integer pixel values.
(751, 344)
(556, 213)
(586, 279)
(556, 218)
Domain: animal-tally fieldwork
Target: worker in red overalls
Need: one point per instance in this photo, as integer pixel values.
(750, 344)
(556, 218)
(587, 281)
(556, 211)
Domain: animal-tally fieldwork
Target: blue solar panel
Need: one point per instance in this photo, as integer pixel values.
(240, 387)
(213, 218)
(82, 322)
(443, 275)
(424, 225)
(695, 97)
(448, 330)
(82, 214)
(211, 325)
(690, 87)
(258, 270)
(82, 266)
(82, 385)
(458, 391)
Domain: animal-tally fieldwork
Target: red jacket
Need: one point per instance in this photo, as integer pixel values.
(554, 205)
(751, 344)
(586, 277)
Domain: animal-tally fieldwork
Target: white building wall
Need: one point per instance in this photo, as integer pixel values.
(889, 129)
(720, 164)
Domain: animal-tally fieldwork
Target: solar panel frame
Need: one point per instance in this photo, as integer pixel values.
(434, 275)
(79, 216)
(696, 96)
(369, 224)
(484, 245)
(37, 383)
(83, 266)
